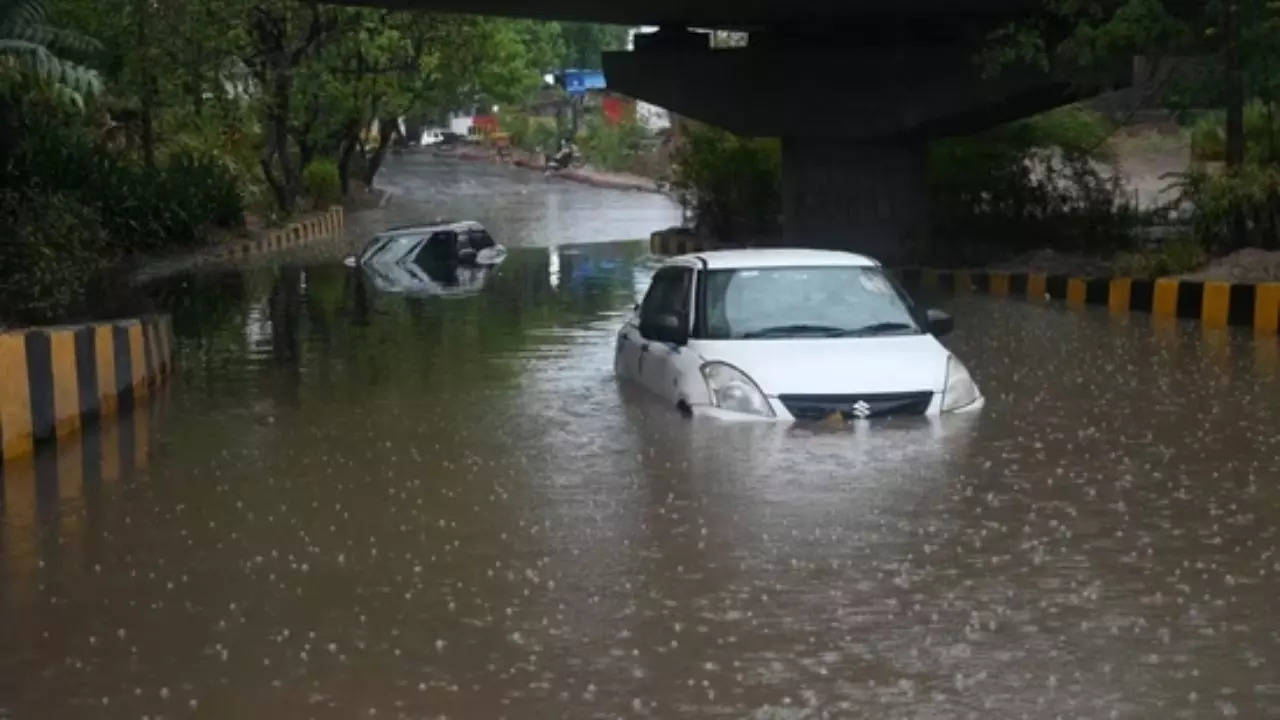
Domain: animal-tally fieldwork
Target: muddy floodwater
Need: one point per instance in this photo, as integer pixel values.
(351, 504)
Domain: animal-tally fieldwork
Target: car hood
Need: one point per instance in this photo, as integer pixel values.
(835, 366)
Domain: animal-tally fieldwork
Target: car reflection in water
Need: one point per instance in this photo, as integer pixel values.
(428, 279)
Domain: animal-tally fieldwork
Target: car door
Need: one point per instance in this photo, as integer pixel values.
(632, 348)
(670, 294)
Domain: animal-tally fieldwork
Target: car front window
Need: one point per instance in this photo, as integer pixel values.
(787, 302)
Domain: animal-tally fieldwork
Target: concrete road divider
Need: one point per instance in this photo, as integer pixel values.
(53, 380)
(325, 225)
(1215, 304)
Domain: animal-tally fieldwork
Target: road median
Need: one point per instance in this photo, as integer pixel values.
(55, 380)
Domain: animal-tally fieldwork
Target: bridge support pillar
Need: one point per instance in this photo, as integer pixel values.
(867, 197)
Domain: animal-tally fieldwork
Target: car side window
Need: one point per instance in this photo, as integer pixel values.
(668, 294)
(442, 246)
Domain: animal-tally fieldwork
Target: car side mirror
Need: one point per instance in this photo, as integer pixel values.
(940, 323)
(668, 328)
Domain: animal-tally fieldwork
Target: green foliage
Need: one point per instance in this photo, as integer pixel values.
(1026, 185)
(140, 209)
(610, 146)
(584, 43)
(320, 181)
(1174, 257)
(533, 134)
(732, 184)
(1261, 132)
(1214, 199)
(53, 251)
(31, 45)
(1093, 39)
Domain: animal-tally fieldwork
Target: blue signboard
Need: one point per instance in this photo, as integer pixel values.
(578, 82)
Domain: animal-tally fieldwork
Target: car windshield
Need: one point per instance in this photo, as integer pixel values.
(804, 302)
(393, 249)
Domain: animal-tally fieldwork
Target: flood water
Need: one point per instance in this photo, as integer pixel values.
(350, 504)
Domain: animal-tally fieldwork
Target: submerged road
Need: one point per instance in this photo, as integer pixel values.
(350, 504)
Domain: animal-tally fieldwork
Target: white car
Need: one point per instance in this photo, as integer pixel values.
(789, 334)
(465, 242)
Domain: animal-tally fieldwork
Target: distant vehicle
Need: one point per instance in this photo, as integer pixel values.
(565, 156)
(432, 136)
(787, 334)
(444, 258)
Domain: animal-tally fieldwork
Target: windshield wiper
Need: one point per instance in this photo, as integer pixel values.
(880, 328)
(785, 330)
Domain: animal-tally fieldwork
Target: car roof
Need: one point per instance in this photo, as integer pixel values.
(432, 227)
(776, 257)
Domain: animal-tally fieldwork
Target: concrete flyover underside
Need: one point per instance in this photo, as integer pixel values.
(855, 90)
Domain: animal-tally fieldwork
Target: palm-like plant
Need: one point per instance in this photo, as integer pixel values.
(31, 47)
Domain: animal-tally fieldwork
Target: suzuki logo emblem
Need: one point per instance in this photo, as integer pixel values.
(861, 410)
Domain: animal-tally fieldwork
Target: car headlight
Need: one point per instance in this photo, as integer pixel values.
(960, 391)
(731, 389)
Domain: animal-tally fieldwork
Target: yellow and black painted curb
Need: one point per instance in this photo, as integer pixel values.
(320, 226)
(55, 380)
(1214, 304)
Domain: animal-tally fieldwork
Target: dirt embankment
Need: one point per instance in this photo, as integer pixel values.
(1249, 265)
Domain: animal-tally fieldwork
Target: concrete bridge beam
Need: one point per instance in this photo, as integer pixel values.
(855, 119)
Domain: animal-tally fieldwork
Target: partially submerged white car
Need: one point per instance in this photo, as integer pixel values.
(442, 259)
(789, 334)
(464, 242)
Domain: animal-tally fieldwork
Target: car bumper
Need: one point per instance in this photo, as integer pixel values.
(782, 415)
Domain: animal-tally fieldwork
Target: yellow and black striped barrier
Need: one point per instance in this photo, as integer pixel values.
(55, 380)
(326, 225)
(1215, 304)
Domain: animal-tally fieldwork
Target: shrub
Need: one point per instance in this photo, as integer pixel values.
(732, 185)
(320, 182)
(54, 251)
(141, 209)
(1261, 131)
(1175, 257)
(1214, 198)
(611, 146)
(1027, 185)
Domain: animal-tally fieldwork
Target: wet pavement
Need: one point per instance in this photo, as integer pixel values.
(356, 505)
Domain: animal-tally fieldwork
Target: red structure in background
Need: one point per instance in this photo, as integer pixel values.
(617, 109)
(485, 124)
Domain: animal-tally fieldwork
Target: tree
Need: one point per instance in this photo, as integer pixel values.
(283, 35)
(30, 62)
(585, 42)
(380, 66)
(29, 49)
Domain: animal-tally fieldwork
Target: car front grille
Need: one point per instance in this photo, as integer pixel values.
(854, 407)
